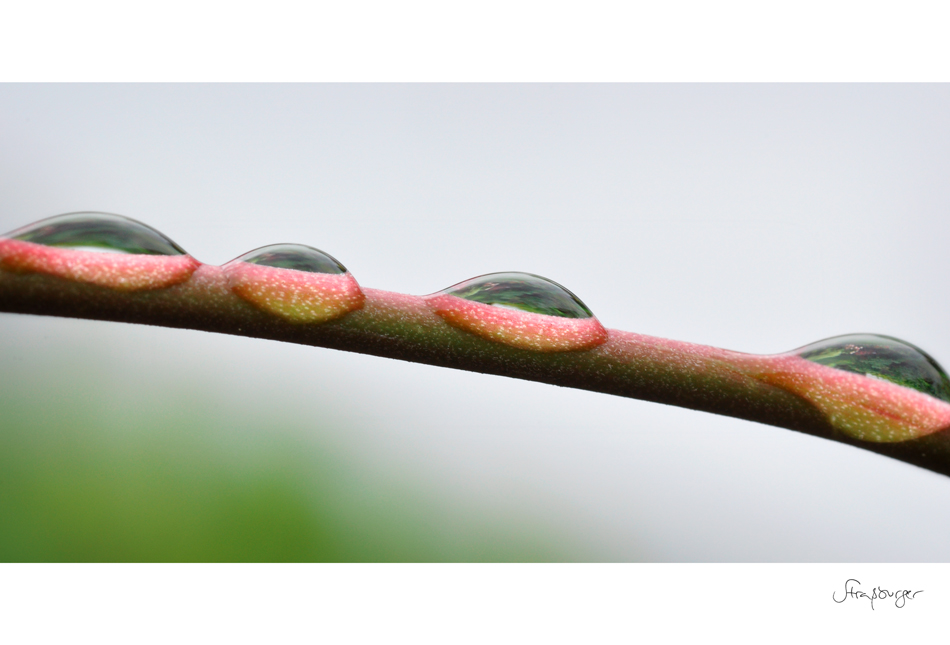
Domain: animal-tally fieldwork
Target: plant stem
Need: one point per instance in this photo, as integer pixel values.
(407, 328)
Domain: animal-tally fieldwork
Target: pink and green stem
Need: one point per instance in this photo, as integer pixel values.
(265, 294)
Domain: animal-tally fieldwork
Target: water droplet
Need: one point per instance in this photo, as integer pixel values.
(882, 357)
(522, 291)
(294, 256)
(296, 282)
(906, 397)
(97, 232)
(97, 248)
(522, 310)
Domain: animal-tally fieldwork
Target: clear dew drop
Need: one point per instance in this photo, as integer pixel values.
(298, 283)
(881, 357)
(521, 310)
(522, 291)
(293, 256)
(97, 232)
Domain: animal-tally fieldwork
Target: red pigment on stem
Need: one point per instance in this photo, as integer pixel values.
(120, 271)
(522, 329)
(296, 296)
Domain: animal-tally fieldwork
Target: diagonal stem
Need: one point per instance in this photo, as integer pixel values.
(407, 328)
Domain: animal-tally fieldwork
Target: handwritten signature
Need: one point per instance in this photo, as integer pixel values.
(851, 590)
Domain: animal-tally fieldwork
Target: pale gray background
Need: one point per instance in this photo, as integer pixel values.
(753, 217)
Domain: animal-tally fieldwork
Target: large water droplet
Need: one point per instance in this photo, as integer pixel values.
(881, 357)
(293, 256)
(97, 232)
(522, 310)
(298, 283)
(97, 248)
(522, 291)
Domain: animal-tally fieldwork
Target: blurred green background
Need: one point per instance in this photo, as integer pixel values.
(106, 459)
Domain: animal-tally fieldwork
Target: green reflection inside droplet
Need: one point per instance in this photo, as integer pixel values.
(523, 291)
(97, 232)
(293, 256)
(882, 357)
